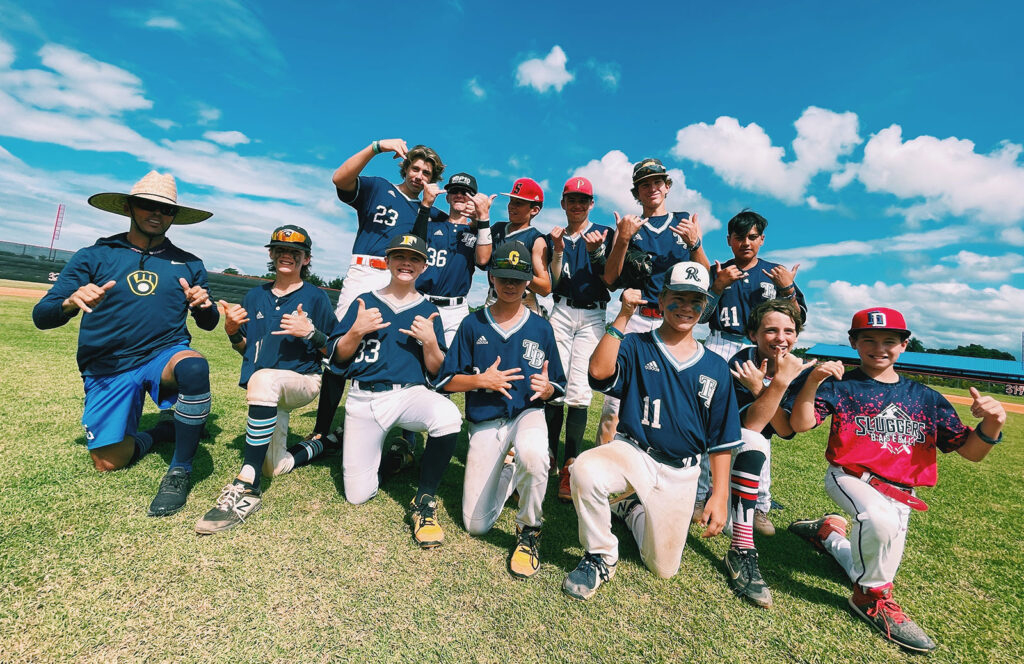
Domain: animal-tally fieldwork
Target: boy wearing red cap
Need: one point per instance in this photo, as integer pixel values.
(885, 430)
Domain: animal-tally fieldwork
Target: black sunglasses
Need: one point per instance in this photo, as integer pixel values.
(165, 209)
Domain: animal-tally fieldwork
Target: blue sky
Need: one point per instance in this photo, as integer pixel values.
(881, 142)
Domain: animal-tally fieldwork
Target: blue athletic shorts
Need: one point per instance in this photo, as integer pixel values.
(113, 403)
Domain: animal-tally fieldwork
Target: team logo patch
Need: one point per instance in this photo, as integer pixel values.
(708, 385)
(142, 282)
(876, 319)
(768, 290)
(652, 366)
(892, 428)
(533, 354)
(513, 257)
(481, 340)
(680, 240)
(408, 240)
(469, 240)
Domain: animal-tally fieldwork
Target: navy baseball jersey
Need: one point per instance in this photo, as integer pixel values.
(527, 235)
(889, 429)
(581, 281)
(479, 341)
(682, 409)
(387, 355)
(736, 302)
(264, 350)
(744, 397)
(665, 247)
(451, 259)
(383, 212)
(145, 311)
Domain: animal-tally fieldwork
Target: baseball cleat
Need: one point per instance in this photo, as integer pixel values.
(583, 582)
(816, 531)
(624, 505)
(172, 494)
(876, 607)
(698, 511)
(564, 489)
(745, 577)
(525, 558)
(762, 526)
(425, 529)
(234, 506)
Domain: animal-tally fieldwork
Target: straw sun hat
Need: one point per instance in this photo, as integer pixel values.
(154, 187)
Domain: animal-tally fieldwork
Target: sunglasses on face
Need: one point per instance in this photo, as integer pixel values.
(165, 209)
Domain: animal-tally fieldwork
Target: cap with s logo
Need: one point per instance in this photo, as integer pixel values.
(879, 318)
(527, 190)
(688, 276)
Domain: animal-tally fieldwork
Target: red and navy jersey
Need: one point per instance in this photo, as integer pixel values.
(744, 397)
(388, 355)
(682, 409)
(889, 429)
(581, 281)
(264, 350)
(738, 299)
(665, 248)
(451, 258)
(479, 341)
(383, 212)
(144, 313)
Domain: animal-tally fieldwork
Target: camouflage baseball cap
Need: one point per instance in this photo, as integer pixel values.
(648, 168)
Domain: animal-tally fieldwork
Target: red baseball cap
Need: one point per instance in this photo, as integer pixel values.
(879, 318)
(527, 190)
(578, 185)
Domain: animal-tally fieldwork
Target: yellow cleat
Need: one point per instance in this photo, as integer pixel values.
(425, 529)
(525, 559)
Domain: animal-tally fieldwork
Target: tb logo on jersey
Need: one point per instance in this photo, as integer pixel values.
(533, 354)
(708, 385)
(767, 290)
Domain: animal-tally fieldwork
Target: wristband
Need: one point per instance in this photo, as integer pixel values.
(987, 439)
(317, 338)
(482, 223)
(375, 146)
(596, 253)
(613, 332)
(236, 338)
(696, 245)
(483, 236)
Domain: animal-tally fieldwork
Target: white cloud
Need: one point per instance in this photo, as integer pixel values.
(227, 138)
(815, 204)
(1014, 236)
(948, 174)
(612, 177)
(164, 123)
(164, 23)
(543, 75)
(904, 242)
(609, 73)
(745, 157)
(967, 266)
(475, 89)
(942, 314)
(207, 114)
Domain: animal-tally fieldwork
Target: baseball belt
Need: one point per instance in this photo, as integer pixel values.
(650, 312)
(580, 305)
(658, 455)
(901, 493)
(380, 386)
(372, 261)
(446, 301)
(730, 336)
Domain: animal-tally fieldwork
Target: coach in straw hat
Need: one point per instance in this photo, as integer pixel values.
(134, 290)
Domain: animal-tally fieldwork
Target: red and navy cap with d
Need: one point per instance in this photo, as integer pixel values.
(879, 318)
(527, 190)
(578, 185)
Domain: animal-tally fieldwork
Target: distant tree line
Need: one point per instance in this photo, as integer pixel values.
(313, 278)
(973, 350)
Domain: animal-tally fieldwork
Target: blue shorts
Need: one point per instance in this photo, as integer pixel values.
(113, 403)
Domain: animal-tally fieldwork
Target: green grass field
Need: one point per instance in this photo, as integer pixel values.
(86, 576)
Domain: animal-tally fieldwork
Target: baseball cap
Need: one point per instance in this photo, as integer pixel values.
(578, 185)
(527, 190)
(462, 181)
(688, 276)
(413, 243)
(512, 261)
(648, 168)
(293, 237)
(879, 318)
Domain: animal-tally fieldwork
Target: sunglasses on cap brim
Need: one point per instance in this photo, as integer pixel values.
(288, 235)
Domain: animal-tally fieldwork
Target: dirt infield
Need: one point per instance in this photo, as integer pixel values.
(22, 292)
(1010, 407)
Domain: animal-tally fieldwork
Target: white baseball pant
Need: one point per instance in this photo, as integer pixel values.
(486, 488)
(358, 280)
(637, 323)
(659, 526)
(577, 332)
(368, 418)
(287, 390)
(878, 530)
(764, 485)
(451, 318)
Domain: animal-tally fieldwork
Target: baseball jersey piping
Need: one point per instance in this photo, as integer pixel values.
(506, 335)
(668, 222)
(676, 364)
(380, 296)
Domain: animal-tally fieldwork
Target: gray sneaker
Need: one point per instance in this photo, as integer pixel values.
(583, 582)
(172, 494)
(698, 511)
(745, 577)
(233, 507)
(762, 526)
(623, 506)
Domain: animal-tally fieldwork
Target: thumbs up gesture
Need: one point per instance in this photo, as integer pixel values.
(991, 412)
(541, 386)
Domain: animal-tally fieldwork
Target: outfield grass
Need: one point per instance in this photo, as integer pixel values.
(86, 576)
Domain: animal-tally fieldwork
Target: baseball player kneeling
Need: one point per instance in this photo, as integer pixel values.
(885, 430)
(393, 341)
(505, 358)
(279, 330)
(677, 404)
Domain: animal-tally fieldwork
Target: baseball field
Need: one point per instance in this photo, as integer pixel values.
(86, 576)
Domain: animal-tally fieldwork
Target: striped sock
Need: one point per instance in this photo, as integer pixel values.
(743, 484)
(259, 428)
(306, 450)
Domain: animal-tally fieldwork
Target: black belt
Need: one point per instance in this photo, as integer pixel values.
(381, 386)
(580, 305)
(446, 301)
(658, 455)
